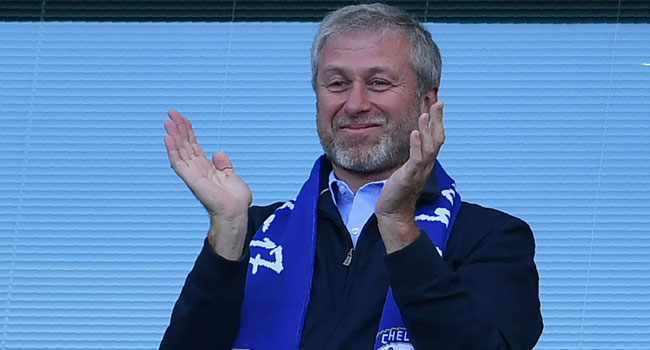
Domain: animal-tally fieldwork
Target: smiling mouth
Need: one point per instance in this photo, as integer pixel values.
(360, 126)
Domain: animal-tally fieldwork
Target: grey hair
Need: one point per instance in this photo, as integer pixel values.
(424, 56)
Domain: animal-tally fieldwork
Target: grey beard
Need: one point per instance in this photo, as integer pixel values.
(391, 151)
(385, 155)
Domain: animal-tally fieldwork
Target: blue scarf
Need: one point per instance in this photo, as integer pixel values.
(278, 282)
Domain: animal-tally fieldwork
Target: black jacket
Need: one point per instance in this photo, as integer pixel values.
(482, 295)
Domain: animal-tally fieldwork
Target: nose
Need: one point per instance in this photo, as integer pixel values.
(357, 100)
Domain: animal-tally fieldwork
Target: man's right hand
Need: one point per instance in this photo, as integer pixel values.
(224, 195)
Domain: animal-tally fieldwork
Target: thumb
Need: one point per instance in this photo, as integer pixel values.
(221, 161)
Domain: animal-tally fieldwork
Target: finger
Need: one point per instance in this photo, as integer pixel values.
(170, 142)
(190, 131)
(174, 116)
(426, 138)
(437, 126)
(172, 151)
(415, 150)
(196, 148)
(198, 151)
(171, 126)
(185, 139)
(172, 131)
(192, 143)
(183, 125)
(180, 144)
(187, 132)
(172, 113)
(186, 128)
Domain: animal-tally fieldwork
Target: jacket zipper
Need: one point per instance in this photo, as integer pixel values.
(348, 258)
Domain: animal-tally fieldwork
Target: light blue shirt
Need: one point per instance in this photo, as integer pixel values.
(355, 209)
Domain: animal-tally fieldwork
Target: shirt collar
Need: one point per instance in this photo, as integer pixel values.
(429, 192)
(342, 192)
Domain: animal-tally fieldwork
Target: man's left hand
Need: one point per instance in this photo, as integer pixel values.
(395, 208)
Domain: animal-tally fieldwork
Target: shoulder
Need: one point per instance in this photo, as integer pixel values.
(474, 216)
(480, 231)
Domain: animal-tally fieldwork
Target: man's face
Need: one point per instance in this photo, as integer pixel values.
(366, 100)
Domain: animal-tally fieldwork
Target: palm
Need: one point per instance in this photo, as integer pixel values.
(214, 183)
(395, 207)
(403, 187)
(398, 190)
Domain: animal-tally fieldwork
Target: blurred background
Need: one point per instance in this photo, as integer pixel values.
(547, 113)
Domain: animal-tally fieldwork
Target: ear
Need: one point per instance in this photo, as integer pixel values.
(429, 98)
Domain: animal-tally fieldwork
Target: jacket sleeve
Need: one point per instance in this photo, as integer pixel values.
(207, 312)
(485, 298)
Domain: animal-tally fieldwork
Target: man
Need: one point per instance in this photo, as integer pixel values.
(377, 251)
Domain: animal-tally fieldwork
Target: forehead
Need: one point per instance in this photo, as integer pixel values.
(359, 49)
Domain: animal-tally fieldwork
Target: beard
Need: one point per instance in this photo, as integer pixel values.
(389, 151)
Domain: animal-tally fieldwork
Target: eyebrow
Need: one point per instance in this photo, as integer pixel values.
(370, 71)
(333, 69)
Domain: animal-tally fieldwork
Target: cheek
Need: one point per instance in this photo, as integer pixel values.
(400, 107)
(329, 103)
(321, 122)
(324, 119)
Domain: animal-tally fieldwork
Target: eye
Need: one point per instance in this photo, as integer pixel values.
(379, 84)
(337, 85)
